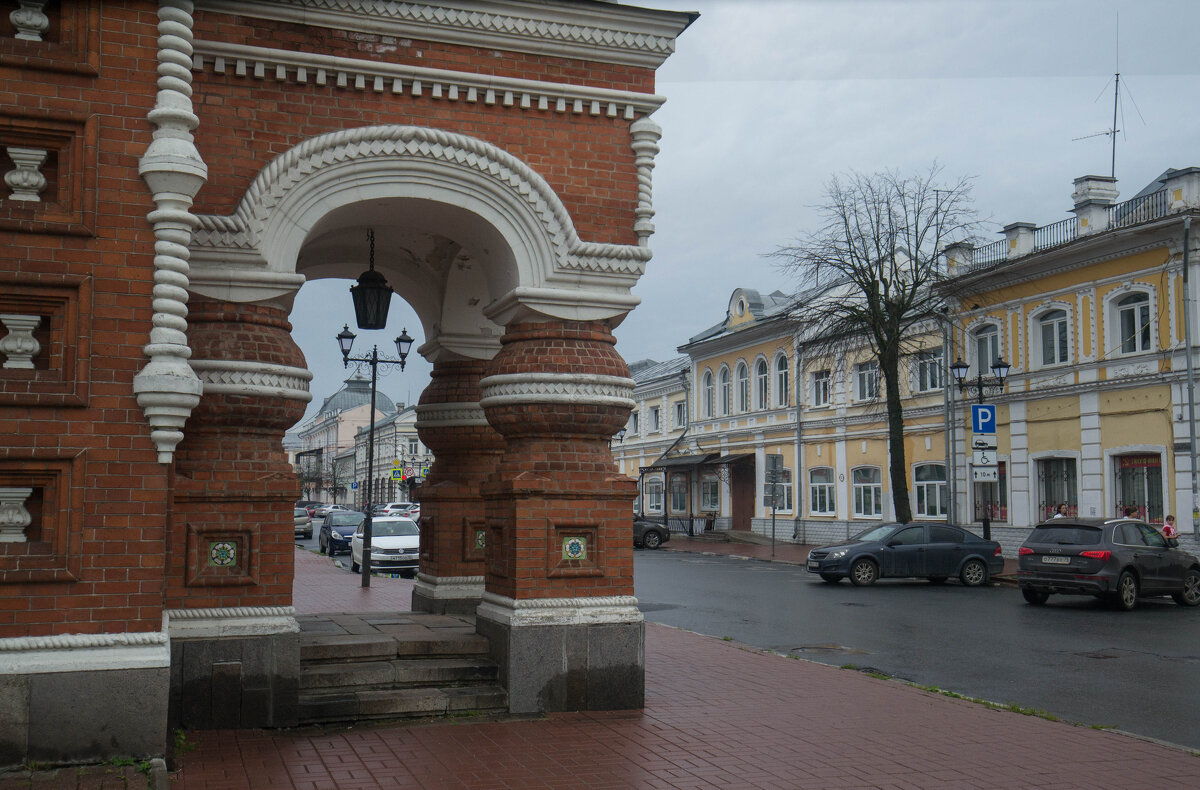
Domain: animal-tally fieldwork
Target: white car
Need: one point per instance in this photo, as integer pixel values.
(325, 510)
(407, 509)
(395, 546)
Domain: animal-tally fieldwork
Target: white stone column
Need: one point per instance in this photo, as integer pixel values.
(14, 518)
(19, 346)
(1020, 506)
(1091, 490)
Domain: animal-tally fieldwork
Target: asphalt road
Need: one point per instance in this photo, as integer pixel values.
(1136, 671)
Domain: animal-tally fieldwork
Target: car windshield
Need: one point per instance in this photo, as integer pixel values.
(346, 519)
(381, 529)
(875, 533)
(1066, 535)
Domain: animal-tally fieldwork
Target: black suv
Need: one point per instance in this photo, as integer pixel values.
(1119, 560)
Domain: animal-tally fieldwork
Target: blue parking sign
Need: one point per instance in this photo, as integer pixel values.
(983, 418)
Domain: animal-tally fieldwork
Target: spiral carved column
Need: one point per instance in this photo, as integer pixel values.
(466, 450)
(559, 558)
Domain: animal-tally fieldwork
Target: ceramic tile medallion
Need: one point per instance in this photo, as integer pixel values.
(222, 553)
(574, 548)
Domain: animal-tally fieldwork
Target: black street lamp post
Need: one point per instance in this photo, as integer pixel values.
(345, 340)
(980, 386)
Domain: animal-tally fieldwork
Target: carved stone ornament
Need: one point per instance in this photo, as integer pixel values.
(14, 518)
(30, 20)
(27, 181)
(19, 345)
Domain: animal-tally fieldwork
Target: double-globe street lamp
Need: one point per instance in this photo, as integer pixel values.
(980, 386)
(372, 297)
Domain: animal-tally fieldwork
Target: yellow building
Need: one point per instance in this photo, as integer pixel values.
(1093, 413)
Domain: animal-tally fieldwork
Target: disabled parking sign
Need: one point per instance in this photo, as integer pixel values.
(983, 418)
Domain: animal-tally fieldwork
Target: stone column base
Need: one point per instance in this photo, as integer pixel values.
(234, 668)
(447, 594)
(565, 654)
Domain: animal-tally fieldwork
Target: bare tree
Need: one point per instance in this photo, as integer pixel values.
(868, 277)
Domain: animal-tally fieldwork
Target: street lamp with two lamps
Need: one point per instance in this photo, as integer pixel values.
(980, 386)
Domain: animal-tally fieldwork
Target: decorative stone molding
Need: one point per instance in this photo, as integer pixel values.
(646, 134)
(610, 34)
(256, 379)
(559, 611)
(27, 655)
(581, 388)
(26, 181)
(14, 518)
(30, 20)
(384, 145)
(19, 346)
(450, 415)
(449, 587)
(167, 389)
(305, 68)
(231, 622)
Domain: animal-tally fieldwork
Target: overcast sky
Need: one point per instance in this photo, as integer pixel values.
(766, 99)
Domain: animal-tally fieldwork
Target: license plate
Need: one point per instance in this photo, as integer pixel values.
(813, 565)
(1056, 560)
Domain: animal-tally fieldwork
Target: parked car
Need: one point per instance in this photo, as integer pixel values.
(322, 511)
(649, 534)
(309, 505)
(934, 551)
(405, 509)
(1119, 561)
(303, 522)
(395, 545)
(337, 529)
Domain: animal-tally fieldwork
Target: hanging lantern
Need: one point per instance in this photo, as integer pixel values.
(372, 296)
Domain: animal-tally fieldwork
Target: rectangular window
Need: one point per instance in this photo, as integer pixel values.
(633, 423)
(820, 381)
(868, 492)
(654, 418)
(679, 487)
(1054, 337)
(710, 493)
(654, 496)
(412, 447)
(821, 492)
(1056, 486)
(933, 496)
(929, 370)
(868, 380)
(680, 415)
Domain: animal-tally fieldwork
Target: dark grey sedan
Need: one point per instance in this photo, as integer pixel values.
(1119, 561)
(649, 534)
(933, 551)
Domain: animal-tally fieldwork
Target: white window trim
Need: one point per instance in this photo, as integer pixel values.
(760, 391)
(854, 493)
(741, 406)
(831, 486)
(859, 369)
(945, 483)
(1034, 329)
(972, 346)
(828, 389)
(724, 387)
(1112, 322)
(708, 396)
(941, 370)
(782, 390)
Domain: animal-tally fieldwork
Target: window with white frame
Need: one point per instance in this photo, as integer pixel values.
(820, 381)
(710, 493)
(1133, 319)
(761, 376)
(783, 489)
(655, 418)
(1052, 326)
(867, 380)
(679, 490)
(707, 397)
(726, 393)
(821, 495)
(680, 414)
(743, 387)
(929, 370)
(987, 348)
(782, 381)
(633, 423)
(413, 445)
(867, 487)
(654, 495)
(933, 497)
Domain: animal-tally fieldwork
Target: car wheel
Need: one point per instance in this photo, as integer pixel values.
(651, 540)
(973, 573)
(937, 579)
(1035, 597)
(321, 545)
(863, 573)
(355, 567)
(1127, 592)
(1191, 589)
(832, 578)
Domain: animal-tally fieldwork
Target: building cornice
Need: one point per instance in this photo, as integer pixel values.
(604, 32)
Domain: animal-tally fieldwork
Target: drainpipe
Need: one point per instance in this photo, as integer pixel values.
(798, 481)
(1191, 380)
(948, 419)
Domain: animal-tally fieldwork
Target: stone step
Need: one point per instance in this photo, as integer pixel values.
(345, 648)
(328, 707)
(397, 673)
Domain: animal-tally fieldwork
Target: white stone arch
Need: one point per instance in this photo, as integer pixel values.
(972, 329)
(760, 392)
(1033, 329)
(1112, 326)
(251, 255)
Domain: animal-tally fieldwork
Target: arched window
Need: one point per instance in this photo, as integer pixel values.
(987, 348)
(933, 497)
(868, 491)
(706, 405)
(1133, 318)
(761, 376)
(726, 393)
(743, 388)
(1052, 326)
(783, 395)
